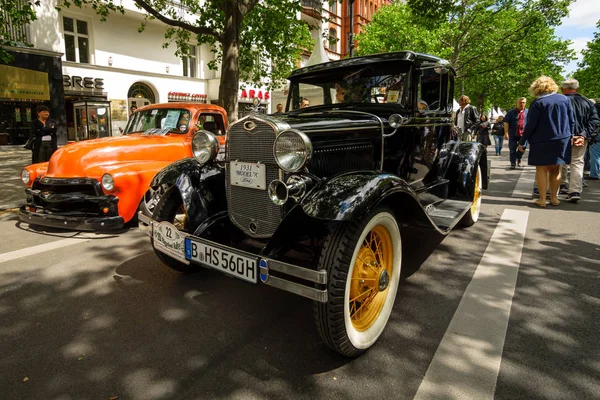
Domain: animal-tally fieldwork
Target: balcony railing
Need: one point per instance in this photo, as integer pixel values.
(313, 7)
(15, 31)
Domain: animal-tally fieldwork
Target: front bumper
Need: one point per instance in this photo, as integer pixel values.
(74, 223)
(289, 277)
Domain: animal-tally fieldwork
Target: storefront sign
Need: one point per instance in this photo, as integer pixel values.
(253, 93)
(195, 97)
(21, 83)
(82, 83)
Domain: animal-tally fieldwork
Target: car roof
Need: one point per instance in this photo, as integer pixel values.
(189, 105)
(411, 56)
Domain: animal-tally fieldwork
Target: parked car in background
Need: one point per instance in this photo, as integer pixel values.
(311, 201)
(101, 184)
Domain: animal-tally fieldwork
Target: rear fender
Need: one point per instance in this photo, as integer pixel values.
(350, 196)
(202, 188)
(466, 157)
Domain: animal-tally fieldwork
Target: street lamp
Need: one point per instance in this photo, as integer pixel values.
(351, 33)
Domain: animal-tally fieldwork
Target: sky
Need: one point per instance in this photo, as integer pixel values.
(579, 27)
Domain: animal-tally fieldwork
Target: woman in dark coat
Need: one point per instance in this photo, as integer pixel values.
(43, 132)
(483, 131)
(549, 129)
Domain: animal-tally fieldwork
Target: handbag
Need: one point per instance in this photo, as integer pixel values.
(29, 144)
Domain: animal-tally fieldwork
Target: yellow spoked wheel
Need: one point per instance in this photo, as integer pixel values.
(363, 263)
(473, 214)
(370, 278)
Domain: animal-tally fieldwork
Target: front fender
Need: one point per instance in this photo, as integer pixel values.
(202, 188)
(350, 196)
(466, 157)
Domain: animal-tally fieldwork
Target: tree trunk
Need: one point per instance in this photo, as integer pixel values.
(230, 71)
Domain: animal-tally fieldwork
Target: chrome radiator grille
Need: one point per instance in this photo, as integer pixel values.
(251, 209)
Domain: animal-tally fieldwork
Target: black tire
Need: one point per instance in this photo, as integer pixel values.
(352, 334)
(151, 198)
(170, 208)
(473, 214)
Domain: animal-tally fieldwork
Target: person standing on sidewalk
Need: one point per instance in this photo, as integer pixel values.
(514, 124)
(586, 121)
(498, 134)
(43, 132)
(594, 146)
(466, 119)
(549, 131)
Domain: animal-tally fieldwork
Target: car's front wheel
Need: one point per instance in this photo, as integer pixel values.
(473, 214)
(363, 262)
(151, 199)
(170, 208)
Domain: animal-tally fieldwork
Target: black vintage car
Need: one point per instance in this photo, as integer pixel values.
(311, 201)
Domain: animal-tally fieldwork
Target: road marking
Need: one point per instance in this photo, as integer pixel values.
(29, 251)
(467, 361)
(524, 188)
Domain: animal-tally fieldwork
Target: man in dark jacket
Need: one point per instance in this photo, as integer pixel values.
(586, 121)
(466, 118)
(514, 124)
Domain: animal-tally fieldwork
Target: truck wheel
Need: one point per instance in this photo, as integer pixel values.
(473, 214)
(151, 199)
(363, 262)
(170, 208)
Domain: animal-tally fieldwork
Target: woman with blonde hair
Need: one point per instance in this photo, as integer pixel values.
(549, 128)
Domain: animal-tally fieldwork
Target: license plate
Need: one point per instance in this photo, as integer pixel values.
(168, 240)
(233, 262)
(248, 175)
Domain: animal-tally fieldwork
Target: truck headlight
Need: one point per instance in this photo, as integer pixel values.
(205, 146)
(292, 150)
(108, 183)
(25, 176)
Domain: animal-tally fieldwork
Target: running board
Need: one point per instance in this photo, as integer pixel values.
(448, 213)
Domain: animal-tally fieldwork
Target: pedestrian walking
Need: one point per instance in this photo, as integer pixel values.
(498, 134)
(594, 151)
(466, 118)
(483, 131)
(43, 133)
(514, 124)
(586, 122)
(549, 128)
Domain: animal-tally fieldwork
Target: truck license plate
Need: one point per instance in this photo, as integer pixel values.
(230, 261)
(248, 175)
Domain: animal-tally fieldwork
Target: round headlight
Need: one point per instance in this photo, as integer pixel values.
(108, 183)
(25, 176)
(292, 150)
(205, 146)
(395, 120)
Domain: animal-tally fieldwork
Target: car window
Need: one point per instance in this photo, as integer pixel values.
(212, 122)
(159, 121)
(385, 83)
(430, 88)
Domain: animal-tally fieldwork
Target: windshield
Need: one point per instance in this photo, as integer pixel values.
(382, 83)
(159, 121)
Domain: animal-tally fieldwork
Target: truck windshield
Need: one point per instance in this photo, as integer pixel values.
(384, 83)
(159, 121)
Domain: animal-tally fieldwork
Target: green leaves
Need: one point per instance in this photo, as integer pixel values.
(588, 73)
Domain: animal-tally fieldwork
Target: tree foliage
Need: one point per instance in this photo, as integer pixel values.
(498, 47)
(13, 15)
(588, 72)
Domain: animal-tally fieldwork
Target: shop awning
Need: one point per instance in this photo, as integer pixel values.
(23, 84)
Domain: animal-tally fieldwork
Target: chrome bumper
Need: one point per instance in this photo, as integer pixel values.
(267, 265)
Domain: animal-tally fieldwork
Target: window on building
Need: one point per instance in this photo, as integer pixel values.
(333, 7)
(333, 39)
(77, 40)
(190, 63)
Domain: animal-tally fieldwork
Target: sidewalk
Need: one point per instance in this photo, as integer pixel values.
(12, 190)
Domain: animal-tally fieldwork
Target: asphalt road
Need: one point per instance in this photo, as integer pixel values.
(97, 316)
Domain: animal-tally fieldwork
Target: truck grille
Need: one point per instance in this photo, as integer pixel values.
(251, 209)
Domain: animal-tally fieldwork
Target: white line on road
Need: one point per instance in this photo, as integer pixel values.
(524, 188)
(467, 362)
(13, 255)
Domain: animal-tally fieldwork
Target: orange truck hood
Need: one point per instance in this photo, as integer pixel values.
(77, 159)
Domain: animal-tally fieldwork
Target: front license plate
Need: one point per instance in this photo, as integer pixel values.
(232, 262)
(168, 240)
(248, 175)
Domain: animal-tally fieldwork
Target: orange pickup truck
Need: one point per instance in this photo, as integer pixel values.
(100, 184)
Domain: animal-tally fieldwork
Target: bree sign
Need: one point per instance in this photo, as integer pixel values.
(77, 82)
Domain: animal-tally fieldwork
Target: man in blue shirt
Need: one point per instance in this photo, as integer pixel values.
(514, 124)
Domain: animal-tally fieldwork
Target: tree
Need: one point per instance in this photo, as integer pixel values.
(250, 38)
(14, 14)
(588, 73)
(497, 47)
